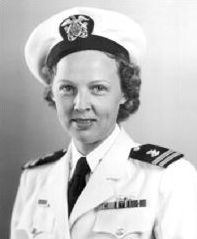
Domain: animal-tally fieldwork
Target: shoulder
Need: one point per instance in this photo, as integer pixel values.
(155, 155)
(47, 159)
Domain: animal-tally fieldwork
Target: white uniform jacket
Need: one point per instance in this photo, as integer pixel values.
(163, 201)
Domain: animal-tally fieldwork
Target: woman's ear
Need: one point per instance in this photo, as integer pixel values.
(49, 96)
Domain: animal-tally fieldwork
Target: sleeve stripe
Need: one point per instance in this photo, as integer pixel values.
(161, 157)
(174, 159)
(169, 159)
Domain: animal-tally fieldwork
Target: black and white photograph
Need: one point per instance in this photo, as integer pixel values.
(98, 112)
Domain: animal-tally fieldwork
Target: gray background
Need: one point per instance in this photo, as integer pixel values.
(168, 113)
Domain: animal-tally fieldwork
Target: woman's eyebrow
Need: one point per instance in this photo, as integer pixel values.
(99, 81)
(64, 80)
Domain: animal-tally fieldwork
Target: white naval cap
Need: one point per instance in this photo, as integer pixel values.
(83, 28)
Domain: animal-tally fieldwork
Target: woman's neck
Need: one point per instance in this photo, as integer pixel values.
(85, 148)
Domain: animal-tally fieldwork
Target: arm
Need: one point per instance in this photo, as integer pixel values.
(178, 209)
(17, 211)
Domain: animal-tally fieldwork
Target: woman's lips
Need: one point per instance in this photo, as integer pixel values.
(83, 119)
(82, 123)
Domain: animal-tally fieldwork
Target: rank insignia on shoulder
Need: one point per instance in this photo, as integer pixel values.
(50, 158)
(155, 155)
(123, 203)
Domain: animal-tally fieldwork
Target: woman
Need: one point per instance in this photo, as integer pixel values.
(104, 185)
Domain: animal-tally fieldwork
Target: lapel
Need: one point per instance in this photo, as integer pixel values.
(100, 187)
(55, 191)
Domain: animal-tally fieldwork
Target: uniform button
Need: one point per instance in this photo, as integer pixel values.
(120, 232)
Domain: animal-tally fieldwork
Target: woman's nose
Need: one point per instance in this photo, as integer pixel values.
(82, 102)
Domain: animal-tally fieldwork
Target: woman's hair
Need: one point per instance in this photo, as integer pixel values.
(130, 83)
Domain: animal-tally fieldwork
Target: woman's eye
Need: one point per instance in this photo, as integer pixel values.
(67, 89)
(99, 89)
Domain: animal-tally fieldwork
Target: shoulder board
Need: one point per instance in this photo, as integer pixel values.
(155, 155)
(50, 158)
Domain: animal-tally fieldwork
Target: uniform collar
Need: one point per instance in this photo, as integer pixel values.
(94, 157)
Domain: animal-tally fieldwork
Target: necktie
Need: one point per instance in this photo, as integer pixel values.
(77, 182)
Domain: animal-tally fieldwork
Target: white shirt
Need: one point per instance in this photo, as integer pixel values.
(94, 157)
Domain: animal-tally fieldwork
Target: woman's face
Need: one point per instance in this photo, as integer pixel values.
(87, 94)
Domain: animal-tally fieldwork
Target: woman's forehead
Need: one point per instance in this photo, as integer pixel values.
(87, 63)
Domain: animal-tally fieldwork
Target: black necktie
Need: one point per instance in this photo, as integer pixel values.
(77, 182)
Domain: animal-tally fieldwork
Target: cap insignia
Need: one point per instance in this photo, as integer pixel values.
(76, 26)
